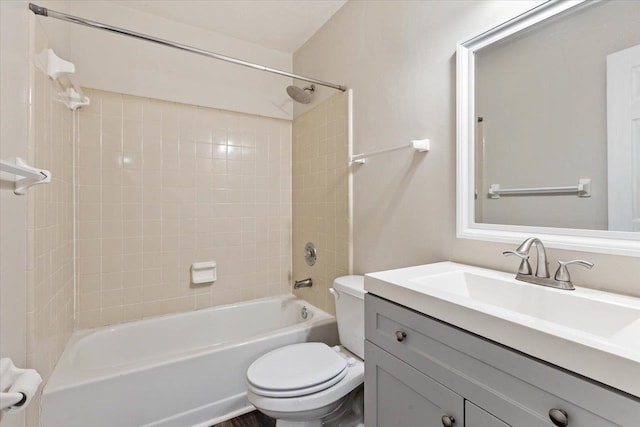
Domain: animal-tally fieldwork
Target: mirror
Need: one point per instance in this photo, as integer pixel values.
(549, 128)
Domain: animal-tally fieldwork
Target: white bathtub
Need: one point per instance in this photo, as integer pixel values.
(180, 370)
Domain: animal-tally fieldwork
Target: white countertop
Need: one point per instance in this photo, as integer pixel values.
(592, 333)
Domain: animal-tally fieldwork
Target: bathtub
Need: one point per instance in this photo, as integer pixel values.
(179, 370)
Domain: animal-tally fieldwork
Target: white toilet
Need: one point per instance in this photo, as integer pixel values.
(312, 384)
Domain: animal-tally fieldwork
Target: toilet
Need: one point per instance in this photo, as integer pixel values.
(311, 384)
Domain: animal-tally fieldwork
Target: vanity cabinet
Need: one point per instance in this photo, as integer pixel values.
(409, 398)
(476, 417)
(419, 370)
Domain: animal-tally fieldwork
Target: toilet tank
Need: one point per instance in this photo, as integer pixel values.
(349, 297)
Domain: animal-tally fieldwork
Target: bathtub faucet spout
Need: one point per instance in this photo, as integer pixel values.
(306, 283)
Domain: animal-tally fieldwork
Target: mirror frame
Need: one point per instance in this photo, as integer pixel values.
(599, 241)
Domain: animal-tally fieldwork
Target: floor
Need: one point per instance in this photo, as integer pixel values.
(252, 419)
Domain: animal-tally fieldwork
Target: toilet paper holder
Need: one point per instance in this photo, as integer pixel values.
(12, 400)
(17, 386)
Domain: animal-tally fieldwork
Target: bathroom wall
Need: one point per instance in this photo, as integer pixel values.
(399, 59)
(162, 185)
(50, 271)
(125, 65)
(321, 197)
(14, 134)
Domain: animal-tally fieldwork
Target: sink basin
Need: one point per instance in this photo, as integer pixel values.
(559, 307)
(593, 333)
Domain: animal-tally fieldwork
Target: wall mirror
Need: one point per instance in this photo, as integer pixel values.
(548, 128)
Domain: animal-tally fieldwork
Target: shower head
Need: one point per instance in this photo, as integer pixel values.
(302, 96)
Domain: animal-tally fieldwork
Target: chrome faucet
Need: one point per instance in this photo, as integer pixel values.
(306, 283)
(542, 265)
(561, 279)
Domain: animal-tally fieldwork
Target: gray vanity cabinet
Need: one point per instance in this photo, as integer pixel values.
(419, 369)
(410, 398)
(476, 417)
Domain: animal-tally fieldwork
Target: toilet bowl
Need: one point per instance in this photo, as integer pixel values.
(312, 384)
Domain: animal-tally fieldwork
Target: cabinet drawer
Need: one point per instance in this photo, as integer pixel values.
(516, 388)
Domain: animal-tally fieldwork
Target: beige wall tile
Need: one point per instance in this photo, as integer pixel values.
(50, 316)
(163, 185)
(320, 198)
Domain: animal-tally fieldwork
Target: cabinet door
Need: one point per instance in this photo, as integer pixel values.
(398, 395)
(476, 417)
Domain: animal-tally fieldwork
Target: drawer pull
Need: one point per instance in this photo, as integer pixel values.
(400, 336)
(559, 417)
(448, 420)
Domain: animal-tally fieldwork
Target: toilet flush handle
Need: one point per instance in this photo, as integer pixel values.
(335, 293)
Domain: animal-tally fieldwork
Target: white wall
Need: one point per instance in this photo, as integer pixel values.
(121, 64)
(399, 58)
(14, 87)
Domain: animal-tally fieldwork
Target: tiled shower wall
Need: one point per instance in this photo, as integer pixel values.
(321, 197)
(161, 185)
(50, 304)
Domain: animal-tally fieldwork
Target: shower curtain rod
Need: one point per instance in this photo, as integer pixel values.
(39, 10)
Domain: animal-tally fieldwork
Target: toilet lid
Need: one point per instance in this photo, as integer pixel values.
(300, 391)
(295, 367)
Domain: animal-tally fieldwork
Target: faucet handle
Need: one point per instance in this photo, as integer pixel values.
(562, 274)
(525, 267)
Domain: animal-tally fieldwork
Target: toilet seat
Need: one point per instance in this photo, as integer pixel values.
(296, 370)
(299, 392)
(280, 407)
